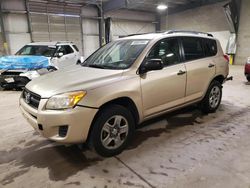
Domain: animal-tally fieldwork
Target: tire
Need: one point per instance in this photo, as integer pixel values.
(248, 78)
(212, 99)
(104, 140)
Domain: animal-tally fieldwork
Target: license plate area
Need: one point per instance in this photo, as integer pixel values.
(9, 80)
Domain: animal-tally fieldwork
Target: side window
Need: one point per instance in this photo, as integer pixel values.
(68, 49)
(210, 47)
(192, 48)
(75, 47)
(167, 50)
(61, 49)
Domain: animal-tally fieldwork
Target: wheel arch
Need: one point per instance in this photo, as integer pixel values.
(219, 78)
(126, 102)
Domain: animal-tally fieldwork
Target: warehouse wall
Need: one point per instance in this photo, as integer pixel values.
(16, 25)
(90, 29)
(209, 18)
(243, 41)
(125, 22)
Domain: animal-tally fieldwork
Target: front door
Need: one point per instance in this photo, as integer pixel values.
(164, 89)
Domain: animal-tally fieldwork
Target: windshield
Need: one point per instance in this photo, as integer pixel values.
(116, 55)
(47, 51)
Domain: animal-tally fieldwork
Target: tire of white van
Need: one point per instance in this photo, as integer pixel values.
(212, 99)
(112, 130)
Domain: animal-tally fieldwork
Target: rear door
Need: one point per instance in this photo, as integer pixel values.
(200, 68)
(164, 89)
(68, 57)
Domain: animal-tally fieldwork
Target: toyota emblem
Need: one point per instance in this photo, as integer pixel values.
(27, 98)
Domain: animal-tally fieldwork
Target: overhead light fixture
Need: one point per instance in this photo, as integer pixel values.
(162, 7)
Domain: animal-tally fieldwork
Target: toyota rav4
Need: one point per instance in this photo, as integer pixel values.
(124, 83)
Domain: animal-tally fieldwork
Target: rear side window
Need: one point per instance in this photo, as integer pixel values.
(210, 47)
(75, 47)
(192, 48)
(68, 49)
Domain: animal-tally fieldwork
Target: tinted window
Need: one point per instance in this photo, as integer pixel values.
(192, 48)
(210, 47)
(167, 50)
(66, 49)
(75, 47)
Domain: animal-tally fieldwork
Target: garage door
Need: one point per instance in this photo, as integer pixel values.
(55, 22)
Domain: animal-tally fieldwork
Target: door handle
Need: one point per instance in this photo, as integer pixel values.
(211, 65)
(181, 72)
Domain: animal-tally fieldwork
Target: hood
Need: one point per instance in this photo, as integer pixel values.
(74, 79)
(23, 62)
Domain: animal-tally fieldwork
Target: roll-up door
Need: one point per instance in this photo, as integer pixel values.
(55, 22)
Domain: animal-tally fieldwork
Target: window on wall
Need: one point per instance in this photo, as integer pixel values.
(167, 50)
(192, 48)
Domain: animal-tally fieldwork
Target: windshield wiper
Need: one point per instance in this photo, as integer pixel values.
(96, 66)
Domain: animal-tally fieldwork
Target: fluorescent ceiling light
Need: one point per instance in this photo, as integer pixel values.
(162, 7)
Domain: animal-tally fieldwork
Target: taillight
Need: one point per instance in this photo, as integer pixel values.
(226, 57)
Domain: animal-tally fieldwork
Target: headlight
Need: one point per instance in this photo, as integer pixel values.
(65, 100)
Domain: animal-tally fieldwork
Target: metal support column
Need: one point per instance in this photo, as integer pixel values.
(5, 44)
(101, 24)
(29, 20)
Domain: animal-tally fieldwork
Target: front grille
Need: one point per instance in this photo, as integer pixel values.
(31, 99)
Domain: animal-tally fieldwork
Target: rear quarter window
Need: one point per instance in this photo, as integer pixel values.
(75, 47)
(210, 47)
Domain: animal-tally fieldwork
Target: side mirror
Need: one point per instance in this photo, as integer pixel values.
(150, 65)
(60, 54)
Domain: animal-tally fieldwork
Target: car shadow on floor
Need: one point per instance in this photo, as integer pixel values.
(65, 161)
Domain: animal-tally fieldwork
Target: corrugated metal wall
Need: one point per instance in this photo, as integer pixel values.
(55, 22)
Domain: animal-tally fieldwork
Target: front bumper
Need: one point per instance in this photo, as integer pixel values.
(49, 122)
(17, 81)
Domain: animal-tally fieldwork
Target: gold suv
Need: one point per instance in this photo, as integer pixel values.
(124, 83)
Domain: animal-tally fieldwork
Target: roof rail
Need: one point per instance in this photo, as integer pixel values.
(191, 32)
(60, 42)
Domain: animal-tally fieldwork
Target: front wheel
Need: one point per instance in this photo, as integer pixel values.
(212, 99)
(112, 130)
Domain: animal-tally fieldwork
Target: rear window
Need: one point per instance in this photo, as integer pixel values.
(210, 47)
(192, 48)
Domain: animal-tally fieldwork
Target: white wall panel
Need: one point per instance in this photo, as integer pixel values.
(90, 36)
(123, 28)
(91, 44)
(15, 23)
(17, 41)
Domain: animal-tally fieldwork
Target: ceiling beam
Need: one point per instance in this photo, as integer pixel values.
(114, 5)
(192, 5)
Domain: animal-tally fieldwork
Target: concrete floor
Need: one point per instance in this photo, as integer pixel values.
(181, 149)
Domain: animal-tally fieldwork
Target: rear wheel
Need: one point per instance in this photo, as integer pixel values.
(248, 78)
(112, 130)
(212, 99)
